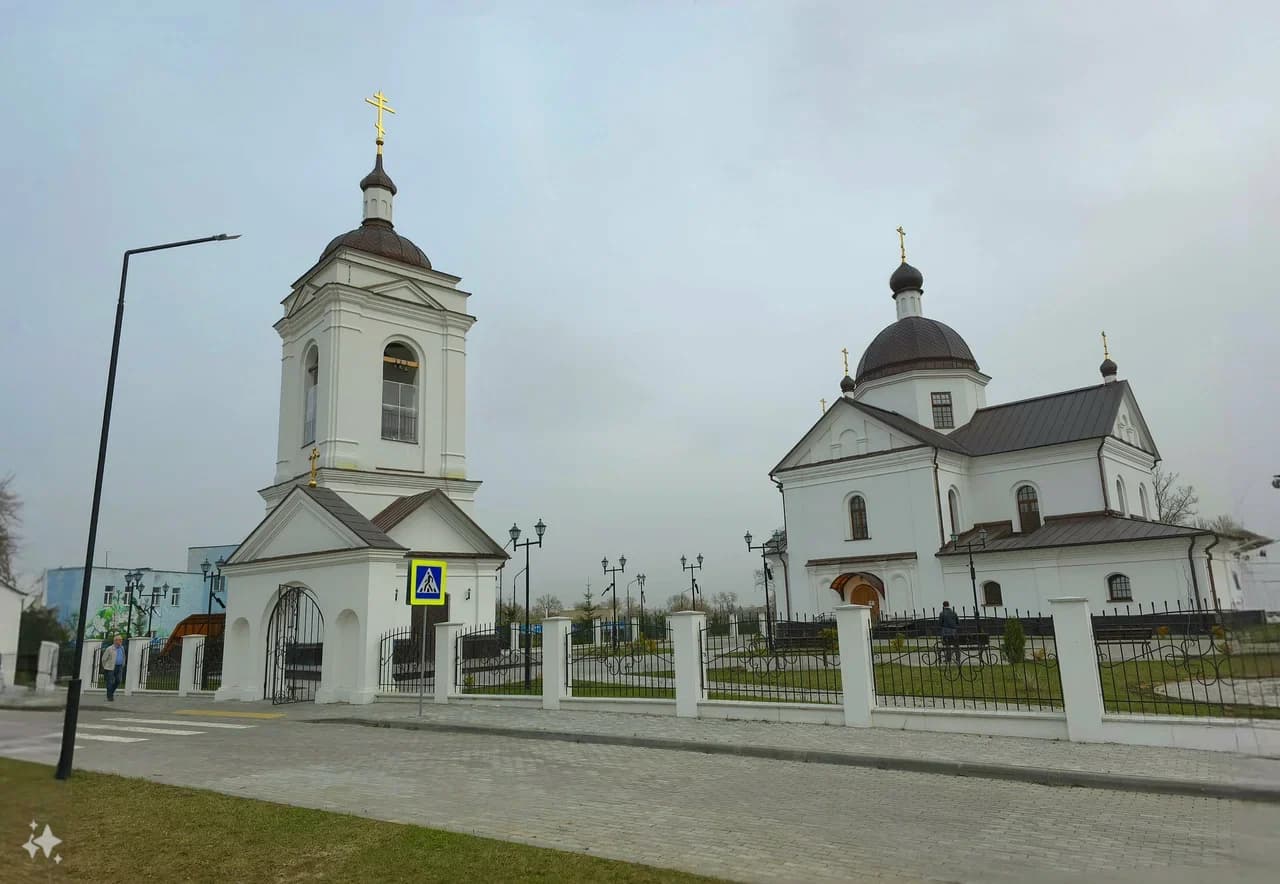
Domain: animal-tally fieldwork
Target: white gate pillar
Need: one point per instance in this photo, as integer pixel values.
(189, 674)
(1078, 669)
(47, 667)
(133, 663)
(555, 656)
(88, 665)
(857, 682)
(446, 660)
(686, 637)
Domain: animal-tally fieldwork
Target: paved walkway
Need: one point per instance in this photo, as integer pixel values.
(741, 818)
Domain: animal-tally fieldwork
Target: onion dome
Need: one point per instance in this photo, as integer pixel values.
(377, 237)
(912, 343)
(378, 178)
(905, 278)
(1108, 368)
(847, 384)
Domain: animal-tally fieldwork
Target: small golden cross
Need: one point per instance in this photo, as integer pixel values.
(902, 243)
(315, 456)
(845, 352)
(380, 102)
(1105, 354)
(824, 405)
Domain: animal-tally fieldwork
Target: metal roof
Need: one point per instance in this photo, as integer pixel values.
(1087, 413)
(345, 513)
(906, 425)
(400, 509)
(1078, 529)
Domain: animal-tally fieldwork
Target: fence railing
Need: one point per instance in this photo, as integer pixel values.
(1186, 661)
(989, 662)
(402, 668)
(793, 661)
(484, 666)
(644, 667)
(208, 669)
(158, 671)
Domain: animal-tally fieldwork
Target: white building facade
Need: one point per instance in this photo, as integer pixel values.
(910, 471)
(370, 472)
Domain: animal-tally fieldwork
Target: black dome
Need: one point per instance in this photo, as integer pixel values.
(378, 237)
(1107, 368)
(906, 277)
(378, 178)
(847, 384)
(914, 342)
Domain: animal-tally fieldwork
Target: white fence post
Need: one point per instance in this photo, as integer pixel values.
(555, 652)
(47, 667)
(686, 638)
(764, 626)
(733, 630)
(635, 628)
(857, 681)
(133, 663)
(446, 660)
(88, 669)
(188, 674)
(514, 629)
(1078, 668)
(597, 631)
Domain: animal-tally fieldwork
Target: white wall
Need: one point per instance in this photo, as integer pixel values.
(909, 394)
(1065, 476)
(10, 620)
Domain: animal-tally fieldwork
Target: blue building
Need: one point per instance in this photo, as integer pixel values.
(177, 594)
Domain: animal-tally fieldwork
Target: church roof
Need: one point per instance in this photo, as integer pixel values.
(378, 237)
(1077, 529)
(914, 342)
(335, 505)
(1086, 413)
(906, 425)
(402, 507)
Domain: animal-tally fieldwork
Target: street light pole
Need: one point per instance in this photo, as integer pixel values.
(640, 580)
(72, 715)
(764, 564)
(970, 546)
(613, 588)
(693, 581)
(215, 585)
(539, 529)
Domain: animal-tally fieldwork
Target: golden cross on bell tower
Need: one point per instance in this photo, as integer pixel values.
(824, 405)
(380, 102)
(315, 456)
(902, 243)
(844, 351)
(1105, 354)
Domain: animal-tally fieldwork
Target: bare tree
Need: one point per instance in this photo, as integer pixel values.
(10, 516)
(1175, 504)
(1224, 524)
(547, 605)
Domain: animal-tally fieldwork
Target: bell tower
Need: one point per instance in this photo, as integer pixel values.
(373, 364)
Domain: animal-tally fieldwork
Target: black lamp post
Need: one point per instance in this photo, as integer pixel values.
(970, 546)
(686, 565)
(73, 688)
(213, 577)
(613, 588)
(132, 589)
(539, 529)
(640, 580)
(764, 564)
(157, 593)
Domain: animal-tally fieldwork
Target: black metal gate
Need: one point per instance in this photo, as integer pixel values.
(295, 647)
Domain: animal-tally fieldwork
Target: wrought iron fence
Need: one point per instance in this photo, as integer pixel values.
(402, 667)
(644, 667)
(484, 666)
(158, 671)
(794, 661)
(999, 660)
(66, 661)
(25, 668)
(97, 678)
(208, 670)
(1187, 661)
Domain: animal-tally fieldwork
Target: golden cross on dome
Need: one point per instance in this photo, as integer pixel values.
(315, 456)
(844, 351)
(824, 405)
(902, 243)
(1105, 354)
(380, 102)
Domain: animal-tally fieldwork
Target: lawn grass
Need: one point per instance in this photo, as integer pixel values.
(120, 829)
(1130, 686)
(637, 686)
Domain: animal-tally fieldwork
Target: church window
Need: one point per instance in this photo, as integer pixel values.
(858, 518)
(1118, 589)
(943, 417)
(1028, 509)
(310, 383)
(991, 594)
(953, 504)
(1142, 501)
(1122, 502)
(399, 394)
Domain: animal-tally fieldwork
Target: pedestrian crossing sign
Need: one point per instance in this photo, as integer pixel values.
(427, 581)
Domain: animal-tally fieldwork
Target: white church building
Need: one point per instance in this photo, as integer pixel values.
(370, 471)
(910, 471)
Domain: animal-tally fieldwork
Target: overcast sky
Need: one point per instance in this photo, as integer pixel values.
(671, 215)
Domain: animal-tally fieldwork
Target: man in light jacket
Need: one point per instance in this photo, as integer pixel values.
(113, 665)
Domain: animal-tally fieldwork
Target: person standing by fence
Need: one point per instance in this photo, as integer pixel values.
(113, 665)
(949, 626)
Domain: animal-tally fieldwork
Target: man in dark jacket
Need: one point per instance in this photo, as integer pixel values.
(949, 626)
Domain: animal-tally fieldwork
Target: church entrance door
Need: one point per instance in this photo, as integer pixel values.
(866, 594)
(295, 647)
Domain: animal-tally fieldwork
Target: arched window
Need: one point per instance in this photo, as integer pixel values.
(399, 394)
(1142, 501)
(1028, 509)
(310, 382)
(1122, 502)
(858, 518)
(1118, 589)
(991, 595)
(953, 504)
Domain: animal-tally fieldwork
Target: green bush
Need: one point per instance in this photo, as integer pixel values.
(1013, 645)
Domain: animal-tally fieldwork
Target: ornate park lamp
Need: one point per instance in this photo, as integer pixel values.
(764, 564)
(970, 546)
(539, 529)
(613, 588)
(213, 577)
(686, 565)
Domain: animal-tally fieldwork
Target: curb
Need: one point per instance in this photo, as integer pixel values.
(1008, 772)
